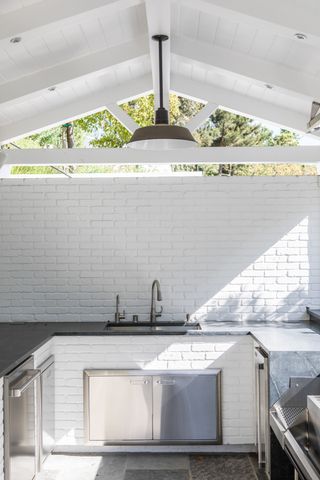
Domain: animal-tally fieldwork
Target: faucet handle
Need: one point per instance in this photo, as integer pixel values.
(159, 313)
(123, 315)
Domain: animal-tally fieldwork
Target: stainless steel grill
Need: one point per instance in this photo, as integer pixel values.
(295, 428)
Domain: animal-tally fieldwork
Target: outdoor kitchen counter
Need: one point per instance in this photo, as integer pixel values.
(293, 348)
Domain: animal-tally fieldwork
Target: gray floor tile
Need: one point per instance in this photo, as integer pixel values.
(74, 467)
(221, 467)
(112, 467)
(157, 475)
(157, 462)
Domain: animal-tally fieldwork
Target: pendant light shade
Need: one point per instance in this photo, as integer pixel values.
(162, 135)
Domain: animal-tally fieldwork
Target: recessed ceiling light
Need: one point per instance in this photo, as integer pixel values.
(52, 89)
(15, 40)
(300, 36)
(268, 86)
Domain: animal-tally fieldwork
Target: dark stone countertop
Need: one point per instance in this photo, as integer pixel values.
(19, 340)
(314, 314)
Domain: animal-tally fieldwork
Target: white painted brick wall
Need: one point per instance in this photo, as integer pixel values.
(233, 354)
(242, 248)
(1, 432)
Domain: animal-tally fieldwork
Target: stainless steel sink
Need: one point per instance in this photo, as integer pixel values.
(146, 328)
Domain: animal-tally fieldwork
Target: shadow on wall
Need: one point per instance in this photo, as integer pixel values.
(235, 260)
(223, 249)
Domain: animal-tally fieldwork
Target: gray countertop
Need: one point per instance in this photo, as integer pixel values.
(294, 348)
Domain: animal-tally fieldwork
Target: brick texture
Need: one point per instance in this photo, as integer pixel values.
(241, 248)
(233, 354)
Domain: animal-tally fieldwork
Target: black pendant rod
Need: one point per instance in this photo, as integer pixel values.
(161, 114)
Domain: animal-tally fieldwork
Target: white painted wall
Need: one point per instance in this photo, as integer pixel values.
(242, 248)
(233, 354)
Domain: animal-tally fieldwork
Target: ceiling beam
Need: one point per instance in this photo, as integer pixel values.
(75, 109)
(242, 104)
(246, 66)
(205, 112)
(127, 156)
(158, 19)
(39, 17)
(122, 117)
(74, 69)
(285, 17)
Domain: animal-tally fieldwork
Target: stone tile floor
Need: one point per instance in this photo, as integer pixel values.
(150, 467)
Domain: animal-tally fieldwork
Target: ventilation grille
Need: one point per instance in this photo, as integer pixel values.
(288, 415)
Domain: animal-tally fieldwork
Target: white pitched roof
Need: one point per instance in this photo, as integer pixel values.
(98, 52)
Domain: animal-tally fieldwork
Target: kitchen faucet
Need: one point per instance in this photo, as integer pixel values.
(119, 316)
(153, 313)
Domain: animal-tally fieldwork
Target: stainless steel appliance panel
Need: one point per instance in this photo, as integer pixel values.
(295, 421)
(119, 408)
(47, 410)
(262, 408)
(314, 427)
(20, 422)
(186, 407)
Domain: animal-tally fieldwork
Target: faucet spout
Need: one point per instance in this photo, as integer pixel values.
(119, 316)
(154, 313)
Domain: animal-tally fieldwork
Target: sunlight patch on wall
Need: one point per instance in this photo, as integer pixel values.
(276, 284)
(202, 355)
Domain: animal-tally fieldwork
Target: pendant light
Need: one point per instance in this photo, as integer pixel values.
(162, 135)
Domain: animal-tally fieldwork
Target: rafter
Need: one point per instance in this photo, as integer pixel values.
(74, 69)
(122, 116)
(75, 109)
(38, 17)
(126, 156)
(158, 19)
(201, 116)
(285, 17)
(247, 66)
(242, 104)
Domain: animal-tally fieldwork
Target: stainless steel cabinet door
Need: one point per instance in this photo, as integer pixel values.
(120, 408)
(47, 413)
(186, 407)
(22, 436)
(20, 422)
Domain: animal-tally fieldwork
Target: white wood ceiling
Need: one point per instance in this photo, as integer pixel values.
(98, 52)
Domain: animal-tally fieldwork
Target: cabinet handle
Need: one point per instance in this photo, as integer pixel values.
(21, 384)
(166, 382)
(139, 382)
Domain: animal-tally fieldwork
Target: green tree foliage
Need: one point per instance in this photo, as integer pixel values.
(53, 138)
(103, 130)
